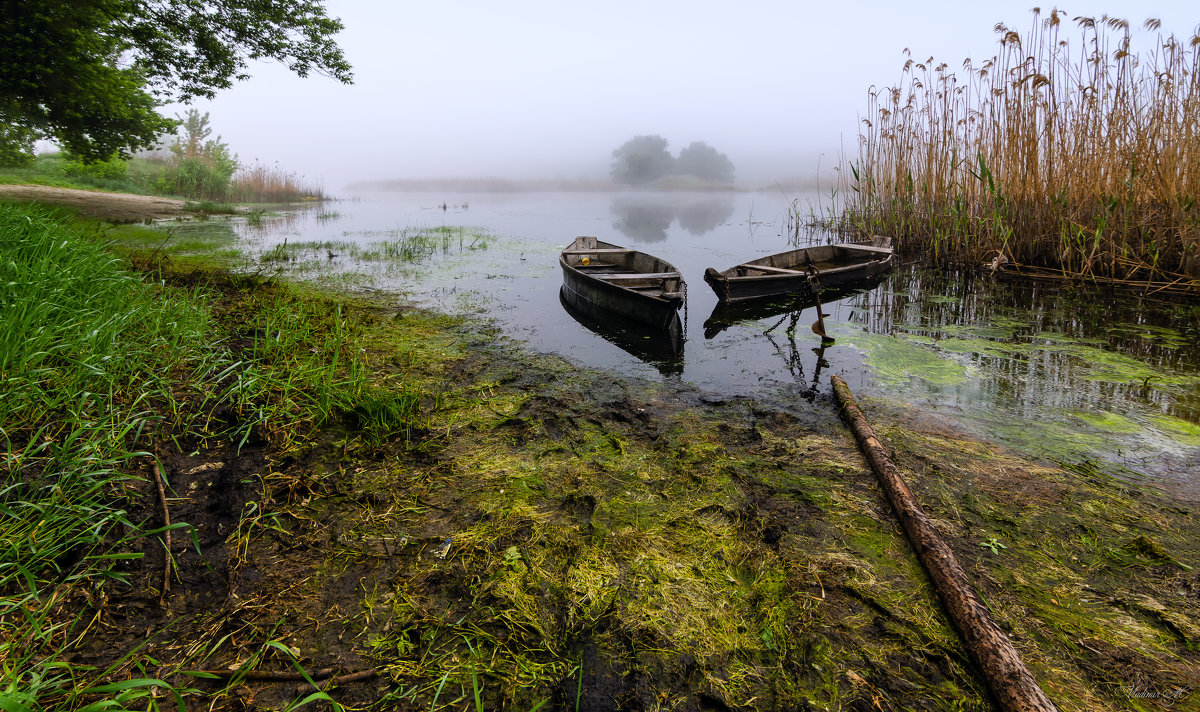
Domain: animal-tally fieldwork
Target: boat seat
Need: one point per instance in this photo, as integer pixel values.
(597, 250)
(634, 275)
(766, 268)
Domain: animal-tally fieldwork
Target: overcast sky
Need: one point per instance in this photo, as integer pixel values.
(547, 89)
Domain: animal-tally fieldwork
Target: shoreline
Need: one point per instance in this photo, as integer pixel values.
(630, 541)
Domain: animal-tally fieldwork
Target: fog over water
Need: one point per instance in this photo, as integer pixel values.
(547, 90)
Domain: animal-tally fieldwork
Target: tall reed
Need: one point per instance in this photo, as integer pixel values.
(258, 183)
(1072, 152)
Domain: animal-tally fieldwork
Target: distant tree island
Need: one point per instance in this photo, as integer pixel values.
(644, 161)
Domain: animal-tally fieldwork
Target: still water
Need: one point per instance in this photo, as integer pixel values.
(1067, 374)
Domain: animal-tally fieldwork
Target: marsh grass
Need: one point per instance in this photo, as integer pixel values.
(97, 363)
(1067, 150)
(85, 350)
(258, 183)
(398, 249)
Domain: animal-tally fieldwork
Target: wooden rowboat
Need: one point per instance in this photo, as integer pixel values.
(601, 279)
(795, 271)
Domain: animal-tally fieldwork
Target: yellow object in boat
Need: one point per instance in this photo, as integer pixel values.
(584, 261)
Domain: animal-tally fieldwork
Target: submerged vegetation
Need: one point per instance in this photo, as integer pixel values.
(1076, 155)
(391, 509)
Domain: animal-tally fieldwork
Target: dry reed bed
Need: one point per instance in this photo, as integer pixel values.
(258, 183)
(1079, 154)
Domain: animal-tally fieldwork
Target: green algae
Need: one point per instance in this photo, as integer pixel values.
(896, 361)
(1099, 364)
(1181, 431)
(1049, 439)
(563, 535)
(993, 331)
(983, 347)
(1109, 422)
(560, 530)
(1160, 336)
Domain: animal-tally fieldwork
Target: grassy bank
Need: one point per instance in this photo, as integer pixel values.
(1073, 149)
(401, 511)
(151, 175)
(104, 372)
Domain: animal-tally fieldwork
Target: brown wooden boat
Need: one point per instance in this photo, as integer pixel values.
(795, 271)
(601, 278)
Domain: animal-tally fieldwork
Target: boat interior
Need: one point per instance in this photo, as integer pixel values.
(625, 268)
(824, 259)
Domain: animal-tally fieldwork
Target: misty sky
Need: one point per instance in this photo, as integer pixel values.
(547, 89)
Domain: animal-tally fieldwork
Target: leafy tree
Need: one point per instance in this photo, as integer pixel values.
(91, 74)
(641, 160)
(16, 143)
(704, 161)
(201, 166)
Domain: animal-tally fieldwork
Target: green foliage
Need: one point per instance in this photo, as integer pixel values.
(115, 168)
(92, 73)
(134, 175)
(202, 166)
(195, 178)
(16, 144)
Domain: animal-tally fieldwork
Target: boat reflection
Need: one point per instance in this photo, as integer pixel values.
(727, 314)
(660, 348)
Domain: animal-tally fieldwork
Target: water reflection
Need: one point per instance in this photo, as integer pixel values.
(1061, 372)
(1067, 373)
(647, 218)
(793, 357)
(662, 349)
(727, 314)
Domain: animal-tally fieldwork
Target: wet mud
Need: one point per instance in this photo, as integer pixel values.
(563, 538)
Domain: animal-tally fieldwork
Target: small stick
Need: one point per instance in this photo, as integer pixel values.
(294, 675)
(162, 499)
(353, 677)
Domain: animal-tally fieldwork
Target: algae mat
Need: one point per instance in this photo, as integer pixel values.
(564, 539)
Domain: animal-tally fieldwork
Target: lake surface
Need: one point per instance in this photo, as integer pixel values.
(1068, 374)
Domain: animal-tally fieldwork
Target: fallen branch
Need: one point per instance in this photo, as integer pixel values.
(1010, 681)
(290, 675)
(162, 500)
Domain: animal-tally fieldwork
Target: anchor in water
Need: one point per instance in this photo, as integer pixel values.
(814, 283)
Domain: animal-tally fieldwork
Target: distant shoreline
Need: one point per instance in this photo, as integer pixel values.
(515, 185)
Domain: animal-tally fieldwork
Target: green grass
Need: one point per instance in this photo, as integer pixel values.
(138, 175)
(98, 362)
(86, 349)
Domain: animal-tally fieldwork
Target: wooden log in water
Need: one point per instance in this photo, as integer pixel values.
(1010, 681)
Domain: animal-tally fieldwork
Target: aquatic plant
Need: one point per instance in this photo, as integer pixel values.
(258, 183)
(1076, 154)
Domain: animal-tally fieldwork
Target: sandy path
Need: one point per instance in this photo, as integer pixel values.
(118, 207)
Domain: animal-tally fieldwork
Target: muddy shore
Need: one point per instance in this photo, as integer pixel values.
(115, 207)
(553, 537)
(577, 539)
